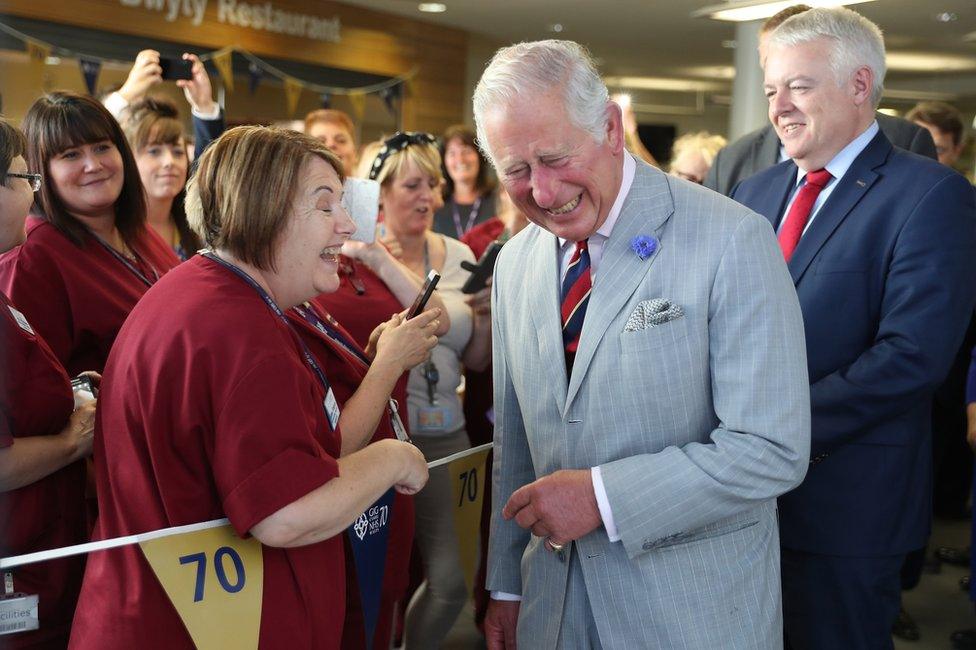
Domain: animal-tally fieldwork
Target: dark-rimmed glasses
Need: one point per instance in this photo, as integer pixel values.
(33, 179)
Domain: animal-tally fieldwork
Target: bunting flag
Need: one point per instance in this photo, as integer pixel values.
(254, 75)
(468, 483)
(368, 537)
(38, 52)
(391, 97)
(358, 101)
(224, 60)
(325, 99)
(293, 92)
(215, 580)
(90, 68)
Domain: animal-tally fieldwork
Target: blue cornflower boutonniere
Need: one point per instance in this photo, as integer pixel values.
(643, 245)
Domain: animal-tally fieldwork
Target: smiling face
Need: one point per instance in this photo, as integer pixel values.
(16, 197)
(461, 162)
(307, 252)
(814, 115)
(338, 140)
(409, 200)
(556, 173)
(162, 168)
(87, 178)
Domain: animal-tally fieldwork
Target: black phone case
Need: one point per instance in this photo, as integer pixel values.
(175, 68)
(481, 271)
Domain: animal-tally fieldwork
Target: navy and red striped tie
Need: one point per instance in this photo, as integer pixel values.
(575, 296)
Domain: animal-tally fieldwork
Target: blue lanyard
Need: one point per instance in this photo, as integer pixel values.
(471, 217)
(120, 257)
(307, 312)
(273, 306)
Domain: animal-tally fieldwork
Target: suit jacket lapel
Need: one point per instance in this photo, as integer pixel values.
(646, 208)
(544, 307)
(849, 191)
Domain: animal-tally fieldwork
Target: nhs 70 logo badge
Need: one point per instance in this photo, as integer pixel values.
(371, 521)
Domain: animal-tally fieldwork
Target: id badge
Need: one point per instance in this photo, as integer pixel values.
(21, 320)
(18, 613)
(432, 419)
(332, 409)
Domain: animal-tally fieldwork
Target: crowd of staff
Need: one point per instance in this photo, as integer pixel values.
(189, 333)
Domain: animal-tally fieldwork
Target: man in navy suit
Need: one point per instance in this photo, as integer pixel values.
(880, 243)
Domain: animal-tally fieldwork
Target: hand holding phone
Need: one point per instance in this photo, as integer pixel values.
(418, 305)
(175, 68)
(83, 389)
(481, 271)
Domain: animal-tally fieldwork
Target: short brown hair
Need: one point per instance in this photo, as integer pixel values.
(331, 116)
(780, 17)
(484, 182)
(241, 196)
(942, 116)
(152, 121)
(62, 120)
(12, 144)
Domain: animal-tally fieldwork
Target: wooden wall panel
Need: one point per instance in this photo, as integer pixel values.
(372, 42)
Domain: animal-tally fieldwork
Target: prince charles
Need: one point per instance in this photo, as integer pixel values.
(651, 389)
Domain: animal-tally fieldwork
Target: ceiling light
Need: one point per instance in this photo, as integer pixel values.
(729, 45)
(556, 28)
(927, 62)
(432, 7)
(946, 17)
(739, 11)
(892, 112)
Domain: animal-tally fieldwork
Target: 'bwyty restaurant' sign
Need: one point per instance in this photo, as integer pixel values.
(260, 16)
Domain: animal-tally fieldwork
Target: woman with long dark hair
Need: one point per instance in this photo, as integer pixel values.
(88, 256)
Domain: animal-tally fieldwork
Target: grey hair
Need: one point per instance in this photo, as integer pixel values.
(856, 41)
(543, 66)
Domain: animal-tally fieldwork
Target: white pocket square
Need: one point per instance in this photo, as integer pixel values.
(651, 313)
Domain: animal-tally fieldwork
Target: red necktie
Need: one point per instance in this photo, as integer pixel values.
(799, 214)
(575, 294)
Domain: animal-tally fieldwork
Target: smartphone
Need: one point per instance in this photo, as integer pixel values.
(83, 390)
(361, 198)
(175, 68)
(418, 305)
(481, 271)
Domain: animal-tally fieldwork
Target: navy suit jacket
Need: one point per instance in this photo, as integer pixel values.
(886, 284)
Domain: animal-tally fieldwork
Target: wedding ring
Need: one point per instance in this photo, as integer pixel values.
(554, 546)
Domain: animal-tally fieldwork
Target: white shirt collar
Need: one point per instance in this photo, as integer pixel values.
(626, 181)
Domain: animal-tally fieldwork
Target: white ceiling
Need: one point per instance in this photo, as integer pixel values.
(659, 38)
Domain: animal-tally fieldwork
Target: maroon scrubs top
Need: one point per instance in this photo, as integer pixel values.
(207, 409)
(78, 296)
(36, 400)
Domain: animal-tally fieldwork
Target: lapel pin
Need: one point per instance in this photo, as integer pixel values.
(643, 246)
(861, 183)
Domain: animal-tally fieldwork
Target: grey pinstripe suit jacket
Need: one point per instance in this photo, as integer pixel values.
(697, 424)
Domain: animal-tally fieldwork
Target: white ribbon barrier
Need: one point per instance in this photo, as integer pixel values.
(115, 542)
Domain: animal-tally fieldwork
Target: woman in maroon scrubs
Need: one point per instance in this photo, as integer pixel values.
(43, 438)
(89, 255)
(213, 406)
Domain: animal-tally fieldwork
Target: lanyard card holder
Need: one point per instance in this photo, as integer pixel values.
(18, 612)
